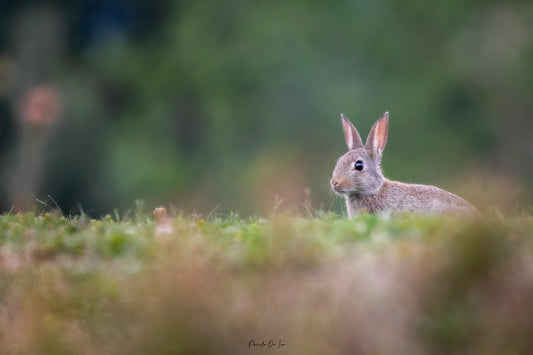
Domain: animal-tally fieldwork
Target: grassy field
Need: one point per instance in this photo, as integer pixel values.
(295, 285)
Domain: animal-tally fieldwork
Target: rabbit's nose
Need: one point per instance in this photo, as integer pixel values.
(334, 182)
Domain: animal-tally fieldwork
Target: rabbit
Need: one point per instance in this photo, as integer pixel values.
(357, 176)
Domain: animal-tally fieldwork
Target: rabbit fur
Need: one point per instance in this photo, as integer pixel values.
(358, 177)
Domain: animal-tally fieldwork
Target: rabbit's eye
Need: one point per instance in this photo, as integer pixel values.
(358, 165)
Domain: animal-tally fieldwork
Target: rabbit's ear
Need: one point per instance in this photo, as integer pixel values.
(353, 139)
(377, 138)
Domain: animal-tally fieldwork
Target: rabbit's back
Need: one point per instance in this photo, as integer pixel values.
(398, 197)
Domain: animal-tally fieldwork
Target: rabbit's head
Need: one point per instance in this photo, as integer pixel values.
(358, 171)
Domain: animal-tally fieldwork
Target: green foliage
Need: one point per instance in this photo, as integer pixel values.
(323, 284)
(233, 103)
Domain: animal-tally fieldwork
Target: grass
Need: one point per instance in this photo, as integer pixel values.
(322, 285)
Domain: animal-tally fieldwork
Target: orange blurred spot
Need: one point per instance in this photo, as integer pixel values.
(41, 106)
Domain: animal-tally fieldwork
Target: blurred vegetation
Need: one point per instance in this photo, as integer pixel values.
(236, 104)
(189, 285)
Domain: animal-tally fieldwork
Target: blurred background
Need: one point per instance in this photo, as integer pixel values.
(216, 106)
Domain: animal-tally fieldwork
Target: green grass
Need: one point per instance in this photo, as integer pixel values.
(323, 285)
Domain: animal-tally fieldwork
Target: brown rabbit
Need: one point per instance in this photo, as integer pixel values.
(357, 176)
